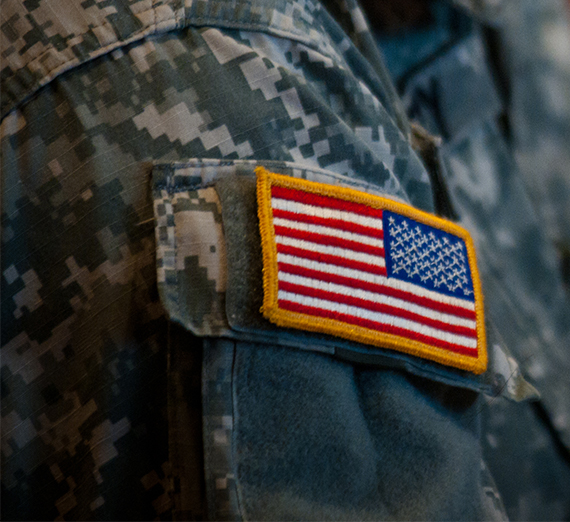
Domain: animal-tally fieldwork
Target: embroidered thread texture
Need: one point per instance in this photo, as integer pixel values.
(371, 270)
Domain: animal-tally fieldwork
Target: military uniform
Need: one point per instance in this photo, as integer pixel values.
(139, 379)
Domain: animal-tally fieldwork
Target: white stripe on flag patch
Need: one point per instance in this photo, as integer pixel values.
(330, 231)
(332, 251)
(329, 213)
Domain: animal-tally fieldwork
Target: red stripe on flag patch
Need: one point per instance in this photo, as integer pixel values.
(348, 319)
(329, 222)
(331, 259)
(310, 198)
(323, 239)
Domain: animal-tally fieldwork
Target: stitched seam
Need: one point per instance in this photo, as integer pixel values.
(359, 184)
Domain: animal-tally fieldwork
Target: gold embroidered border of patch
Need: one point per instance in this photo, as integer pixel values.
(354, 265)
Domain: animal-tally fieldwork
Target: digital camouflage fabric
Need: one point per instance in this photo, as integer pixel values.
(130, 390)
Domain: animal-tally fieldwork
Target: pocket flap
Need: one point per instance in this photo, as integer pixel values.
(210, 266)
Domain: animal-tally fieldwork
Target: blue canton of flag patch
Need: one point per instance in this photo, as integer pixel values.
(426, 256)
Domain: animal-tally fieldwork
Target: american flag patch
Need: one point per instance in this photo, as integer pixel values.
(371, 270)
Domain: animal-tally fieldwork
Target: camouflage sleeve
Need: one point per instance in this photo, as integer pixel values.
(101, 406)
(84, 336)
